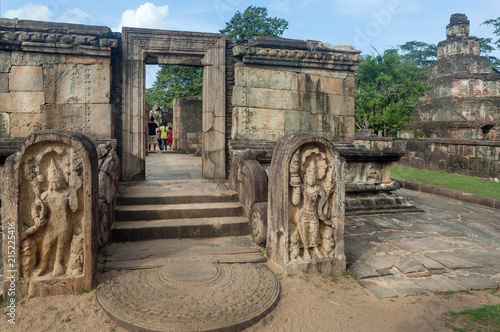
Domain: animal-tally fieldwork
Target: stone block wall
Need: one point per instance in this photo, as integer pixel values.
(288, 86)
(187, 124)
(56, 76)
(467, 157)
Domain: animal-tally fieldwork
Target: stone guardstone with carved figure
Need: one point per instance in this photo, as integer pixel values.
(49, 210)
(306, 206)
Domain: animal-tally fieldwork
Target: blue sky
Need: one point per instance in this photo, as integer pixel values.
(366, 24)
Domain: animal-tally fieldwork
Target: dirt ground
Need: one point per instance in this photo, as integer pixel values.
(307, 303)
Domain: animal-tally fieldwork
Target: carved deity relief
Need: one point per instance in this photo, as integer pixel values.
(313, 208)
(51, 227)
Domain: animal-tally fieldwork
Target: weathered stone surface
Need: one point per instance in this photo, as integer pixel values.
(362, 270)
(265, 78)
(258, 123)
(50, 206)
(474, 281)
(4, 62)
(26, 78)
(36, 59)
(4, 125)
(315, 83)
(4, 83)
(22, 124)
(265, 98)
(68, 84)
(99, 121)
(306, 206)
(109, 177)
(21, 102)
(451, 260)
(86, 60)
(438, 284)
(187, 122)
(408, 265)
(95, 120)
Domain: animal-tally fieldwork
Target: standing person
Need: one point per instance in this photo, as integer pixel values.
(169, 139)
(152, 133)
(164, 136)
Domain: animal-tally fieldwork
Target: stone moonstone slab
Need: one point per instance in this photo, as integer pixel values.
(191, 296)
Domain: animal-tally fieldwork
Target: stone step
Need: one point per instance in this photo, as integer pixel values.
(177, 211)
(142, 230)
(177, 198)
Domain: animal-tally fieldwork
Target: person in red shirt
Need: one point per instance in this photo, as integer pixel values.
(169, 138)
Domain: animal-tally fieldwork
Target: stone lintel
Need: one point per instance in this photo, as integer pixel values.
(297, 53)
(50, 37)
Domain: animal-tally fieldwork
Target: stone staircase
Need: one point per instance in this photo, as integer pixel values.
(176, 211)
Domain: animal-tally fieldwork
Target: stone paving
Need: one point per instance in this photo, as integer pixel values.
(452, 246)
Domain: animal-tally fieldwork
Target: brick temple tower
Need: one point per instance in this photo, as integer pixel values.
(464, 99)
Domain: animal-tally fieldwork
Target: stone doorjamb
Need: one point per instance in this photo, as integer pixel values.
(141, 46)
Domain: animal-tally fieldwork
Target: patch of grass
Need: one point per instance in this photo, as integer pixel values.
(442, 179)
(486, 318)
(449, 295)
(305, 278)
(82, 291)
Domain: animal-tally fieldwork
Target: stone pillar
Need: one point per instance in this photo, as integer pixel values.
(49, 214)
(306, 206)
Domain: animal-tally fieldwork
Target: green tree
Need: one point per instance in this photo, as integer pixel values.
(422, 54)
(254, 22)
(495, 22)
(175, 82)
(387, 89)
(486, 46)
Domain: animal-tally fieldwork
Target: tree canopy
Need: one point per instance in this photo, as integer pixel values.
(387, 89)
(254, 21)
(420, 53)
(175, 82)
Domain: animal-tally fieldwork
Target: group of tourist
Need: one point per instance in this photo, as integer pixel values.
(162, 135)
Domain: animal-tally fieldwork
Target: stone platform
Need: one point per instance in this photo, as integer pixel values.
(453, 246)
(187, 285)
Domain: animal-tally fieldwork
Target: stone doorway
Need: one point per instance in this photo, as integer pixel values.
(147, 46)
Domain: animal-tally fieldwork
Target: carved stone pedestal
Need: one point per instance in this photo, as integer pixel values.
(49, 213)
(306, 206)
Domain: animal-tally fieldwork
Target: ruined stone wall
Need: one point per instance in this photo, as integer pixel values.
(58, 76)
(464, 97)
(468, 157)
(283, 86)
(187, 131)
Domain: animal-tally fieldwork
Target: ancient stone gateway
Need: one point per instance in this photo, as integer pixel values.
(306, 206)
(49, 215)
(145, 46)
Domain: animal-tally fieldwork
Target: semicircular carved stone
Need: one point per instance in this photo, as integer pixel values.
(49, 211)
(306, 208)
(258, 222)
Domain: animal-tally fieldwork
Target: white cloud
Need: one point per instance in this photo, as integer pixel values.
(146, 16)
(74, 16)
(30, 11)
